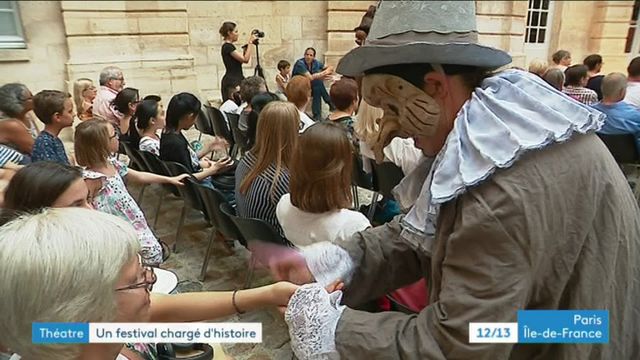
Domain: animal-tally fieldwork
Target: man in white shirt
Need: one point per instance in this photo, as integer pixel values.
(111, 82)
(633, 84)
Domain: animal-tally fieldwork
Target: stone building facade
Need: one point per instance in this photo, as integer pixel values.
(165, 47)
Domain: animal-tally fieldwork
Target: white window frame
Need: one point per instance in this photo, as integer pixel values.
(13, 41)
(538, 27)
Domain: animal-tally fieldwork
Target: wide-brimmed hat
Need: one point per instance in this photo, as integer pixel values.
(410, 32)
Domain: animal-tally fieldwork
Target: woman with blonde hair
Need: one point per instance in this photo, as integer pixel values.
(538, 67)
(83, 94)
(262, 176)
(83, 274)
(317, 207)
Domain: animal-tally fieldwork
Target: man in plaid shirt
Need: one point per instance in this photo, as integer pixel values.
(576, 80)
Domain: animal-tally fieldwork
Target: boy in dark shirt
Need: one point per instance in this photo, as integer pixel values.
(55, 109)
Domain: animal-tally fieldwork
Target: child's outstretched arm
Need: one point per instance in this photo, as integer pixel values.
(150, 178)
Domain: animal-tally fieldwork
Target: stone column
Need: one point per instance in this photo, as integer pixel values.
(342, 18)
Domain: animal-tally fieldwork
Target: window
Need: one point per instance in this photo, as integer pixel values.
(10, 26)
(537, 22)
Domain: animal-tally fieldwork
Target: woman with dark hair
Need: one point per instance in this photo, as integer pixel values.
(126, 102)
(149, 119)
(232, 58)
(48, 184)
(17, 128)
(182, 112)
(317, 206)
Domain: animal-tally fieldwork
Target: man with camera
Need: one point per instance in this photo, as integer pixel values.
(313, 69)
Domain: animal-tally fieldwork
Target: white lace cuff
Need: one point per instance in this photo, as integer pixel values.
(328, 262)
(312, 316)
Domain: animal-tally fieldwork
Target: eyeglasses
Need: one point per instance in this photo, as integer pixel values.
(149, 279)
(114, 136)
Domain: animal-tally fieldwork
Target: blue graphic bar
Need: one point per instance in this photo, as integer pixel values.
(60, 333)
(563, 326)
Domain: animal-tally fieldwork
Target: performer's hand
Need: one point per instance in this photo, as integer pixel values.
(291, 266)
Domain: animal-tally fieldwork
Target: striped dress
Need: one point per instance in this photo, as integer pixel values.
(258, 202)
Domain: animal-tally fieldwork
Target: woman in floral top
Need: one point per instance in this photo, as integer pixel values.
(95, 141)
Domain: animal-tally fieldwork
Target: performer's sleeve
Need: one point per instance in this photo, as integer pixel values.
(486, 274)
(371, 263)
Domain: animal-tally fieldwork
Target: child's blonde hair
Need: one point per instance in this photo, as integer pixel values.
(91, 143)
(366, 127)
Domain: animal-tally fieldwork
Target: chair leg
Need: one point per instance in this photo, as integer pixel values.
(179, 231)
(372, 207)
(141, 196)
(207, 255)
(252, 265)
(155, 221)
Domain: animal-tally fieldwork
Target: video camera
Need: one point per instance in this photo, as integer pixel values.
(259, 34)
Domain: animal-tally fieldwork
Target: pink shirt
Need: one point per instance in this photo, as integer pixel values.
(102, 106)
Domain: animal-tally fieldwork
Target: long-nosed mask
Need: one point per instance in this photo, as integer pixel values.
(408, 111)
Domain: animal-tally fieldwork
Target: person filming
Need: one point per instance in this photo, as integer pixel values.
(233, 58)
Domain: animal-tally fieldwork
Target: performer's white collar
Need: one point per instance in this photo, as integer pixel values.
(509, 114)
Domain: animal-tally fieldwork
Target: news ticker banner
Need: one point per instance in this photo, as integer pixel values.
(546, 326)
(83, 333)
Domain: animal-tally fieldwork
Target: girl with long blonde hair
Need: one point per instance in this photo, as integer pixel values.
(262, 176)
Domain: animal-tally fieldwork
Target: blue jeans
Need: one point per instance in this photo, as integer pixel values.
(319, 93)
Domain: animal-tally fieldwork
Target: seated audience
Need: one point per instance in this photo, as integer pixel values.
(594, 63)
(561, 59)
(555, 78)
(125, 103)
(95, 141)
(538, 67)
(299, 93)
(17, 130)
(51, 269)
(249, 87)
(233, 102)
(317, 207)
(344, 96)
(84, 92)
(111, 83)
(282, 78)
(55, 109)
(633, 85)
(182, 112)
(262, 176)
(150, 119)
(622, 117)
(575, 80)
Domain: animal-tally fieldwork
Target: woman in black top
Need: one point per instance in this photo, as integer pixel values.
(232, 58)
(182, 112)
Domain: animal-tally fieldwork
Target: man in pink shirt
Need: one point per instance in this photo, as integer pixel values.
(111, 82)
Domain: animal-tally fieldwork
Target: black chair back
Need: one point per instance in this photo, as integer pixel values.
(156, 166)
(212, 199)
(219, 124)
(238, 137)
(203, 123)
(135, 157)
(254, 230)
(358, 176)
(622, 147)
(188, 192)
(385, 177)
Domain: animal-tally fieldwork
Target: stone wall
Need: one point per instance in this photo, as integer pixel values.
(42, 64)
(166, 47)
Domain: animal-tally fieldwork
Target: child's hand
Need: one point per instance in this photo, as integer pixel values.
(220, 165)
(281, 292)
(177, 180)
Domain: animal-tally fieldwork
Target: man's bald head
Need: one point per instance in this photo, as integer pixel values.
(614, 87)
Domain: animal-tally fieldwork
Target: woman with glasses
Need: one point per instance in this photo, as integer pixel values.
(71, 273)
